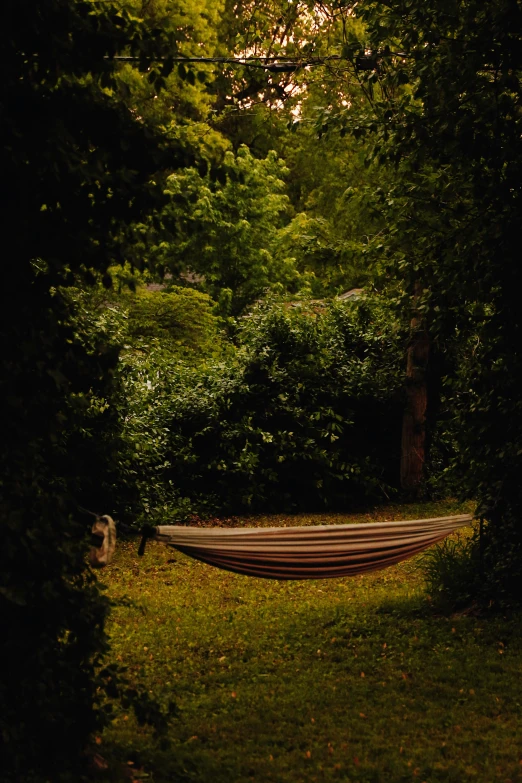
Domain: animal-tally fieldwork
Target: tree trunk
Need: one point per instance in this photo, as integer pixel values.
(413, 447)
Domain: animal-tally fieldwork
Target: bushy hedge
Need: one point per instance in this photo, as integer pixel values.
(180, 320)
(119, 446)
(306, 415)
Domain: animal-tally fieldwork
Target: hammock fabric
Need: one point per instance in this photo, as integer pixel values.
(309, 552)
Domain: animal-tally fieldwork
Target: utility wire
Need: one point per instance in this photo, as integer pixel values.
(277, 64)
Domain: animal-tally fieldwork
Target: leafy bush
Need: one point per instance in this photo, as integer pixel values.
(73, 453)
(51, 607)
(225, 231)
(306, 414)
(181, 319)
(119, 447)
(478, 446)
(453, 570)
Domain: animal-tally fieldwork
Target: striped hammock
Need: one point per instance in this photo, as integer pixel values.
(309, 552)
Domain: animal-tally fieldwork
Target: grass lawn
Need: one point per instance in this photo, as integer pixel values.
(356, 679)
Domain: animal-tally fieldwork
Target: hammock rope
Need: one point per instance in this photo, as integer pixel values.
(317, 552)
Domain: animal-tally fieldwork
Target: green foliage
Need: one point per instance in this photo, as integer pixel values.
(447, 112)
(453, 571)
(175, 96)
(52, 610)
(121, 441)
(223, 235)
(78, 169)
(145, 487)
(224, 231)
(483, 397)
(306, 414)
(179, 320)
(334, 217)
(328, 261)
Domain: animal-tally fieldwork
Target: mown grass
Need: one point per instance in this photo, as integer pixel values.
(332, 680)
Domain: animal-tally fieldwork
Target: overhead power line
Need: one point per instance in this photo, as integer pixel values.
(364, 61)
(367, 61)
(279, 64)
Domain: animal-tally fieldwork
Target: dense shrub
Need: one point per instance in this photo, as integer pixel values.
(482, 420)
(52, 611)
(307, 414)
(454, 570)
(116, 471)
(181, 319)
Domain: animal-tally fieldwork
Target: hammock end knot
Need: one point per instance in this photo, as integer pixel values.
(147, 531)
